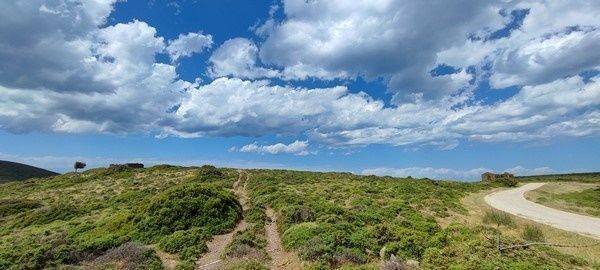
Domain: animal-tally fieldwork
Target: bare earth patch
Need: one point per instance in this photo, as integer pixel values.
(280, 258)
(169, 261)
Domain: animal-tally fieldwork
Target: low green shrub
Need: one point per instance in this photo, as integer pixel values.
(317, 248)
(61, 210)
(194, 239)
(409, 244)
(100, 243)
(248, 237)
(349, 255)
(256, 215)
(14, 206)
(209, 173)
(298, 214)
(187, 206)
(298, 235)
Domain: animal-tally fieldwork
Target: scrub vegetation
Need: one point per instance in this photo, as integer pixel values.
(340, 220)
(142, 218)
(103, 217)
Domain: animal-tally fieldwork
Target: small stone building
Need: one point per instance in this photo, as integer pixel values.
(491, 177)
(126, 165)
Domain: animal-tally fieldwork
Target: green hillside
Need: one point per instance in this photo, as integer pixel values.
(13, 171)
(164, 216)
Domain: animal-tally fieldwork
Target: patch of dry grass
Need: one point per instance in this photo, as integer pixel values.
(477, 208)
(555, 195)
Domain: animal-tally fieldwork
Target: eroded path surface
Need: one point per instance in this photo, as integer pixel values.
(280, 259)
(513, 201)
(212, 259)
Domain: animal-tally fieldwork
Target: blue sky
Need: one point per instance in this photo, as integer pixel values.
(441, 90)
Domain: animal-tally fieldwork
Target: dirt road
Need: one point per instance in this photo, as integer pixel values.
(513, 201)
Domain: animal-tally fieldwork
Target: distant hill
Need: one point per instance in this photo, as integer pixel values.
(13, 171)
(578, 177)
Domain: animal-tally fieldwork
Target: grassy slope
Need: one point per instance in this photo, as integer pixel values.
(593, 177)
(104, 218)
(341, 220)
(582, 198)
(13, 171)
(84, 219)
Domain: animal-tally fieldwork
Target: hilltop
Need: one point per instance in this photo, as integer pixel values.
(13, 171)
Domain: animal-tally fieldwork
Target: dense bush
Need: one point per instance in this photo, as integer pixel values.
(300, 234)
(209, 172)
(188, 206)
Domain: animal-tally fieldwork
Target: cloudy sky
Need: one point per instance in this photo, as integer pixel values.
(444, 89)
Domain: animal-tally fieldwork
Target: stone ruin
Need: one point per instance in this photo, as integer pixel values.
(491, 177)
(119, 167)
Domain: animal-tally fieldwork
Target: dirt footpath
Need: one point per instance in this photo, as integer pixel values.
(280, 259)
(212, 259)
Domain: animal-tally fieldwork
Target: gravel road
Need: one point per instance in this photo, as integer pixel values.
(513, 201)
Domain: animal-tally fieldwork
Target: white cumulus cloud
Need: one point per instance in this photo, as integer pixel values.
(64, 69)
(238, 57)
(299, 148)
(188, 44)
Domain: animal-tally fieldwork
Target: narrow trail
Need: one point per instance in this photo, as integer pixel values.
(211, 260)
(513, 201)
(280, 259)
